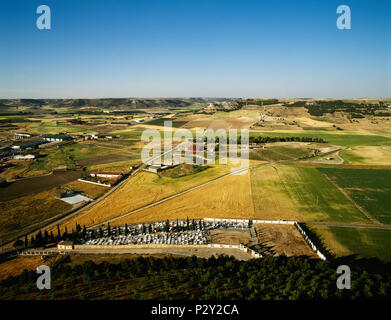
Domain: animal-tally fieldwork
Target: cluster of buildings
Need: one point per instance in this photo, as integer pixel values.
(156, 167)
(107, 179)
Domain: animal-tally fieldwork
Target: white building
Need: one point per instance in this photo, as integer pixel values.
(65, 245)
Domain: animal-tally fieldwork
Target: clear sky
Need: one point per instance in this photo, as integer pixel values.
(203, 48)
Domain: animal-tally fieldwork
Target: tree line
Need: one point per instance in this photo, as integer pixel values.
(277, 278)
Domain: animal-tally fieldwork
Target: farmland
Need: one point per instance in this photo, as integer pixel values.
(28, 212)
(340, 174)
(142, 190)
(371, 189)
(226, 198)
(300, 193)
(357, 242)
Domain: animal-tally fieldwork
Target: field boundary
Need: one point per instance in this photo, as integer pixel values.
(346, 195)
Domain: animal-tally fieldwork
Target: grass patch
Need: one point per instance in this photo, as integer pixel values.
(371, 189)
(363, 242)
(182, 171)
(342, 139)
(316, 198)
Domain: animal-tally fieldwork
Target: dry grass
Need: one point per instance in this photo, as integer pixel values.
(271, 200)
(370, 155)
(226, 198)
(17, 265)
(141, 190)
(22, 214)
(88, 189)
(230, 236)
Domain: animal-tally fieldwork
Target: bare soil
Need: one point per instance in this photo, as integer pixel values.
(37, 184)
(283, 239)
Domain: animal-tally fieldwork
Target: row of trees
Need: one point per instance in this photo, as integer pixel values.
(45, 238)
(267, 139)
(224, 277)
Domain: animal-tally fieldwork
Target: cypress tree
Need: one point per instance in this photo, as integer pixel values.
(58, 233)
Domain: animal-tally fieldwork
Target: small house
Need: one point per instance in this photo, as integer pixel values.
(65, 245)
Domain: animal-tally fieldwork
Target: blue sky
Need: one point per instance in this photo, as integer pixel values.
(181, 48)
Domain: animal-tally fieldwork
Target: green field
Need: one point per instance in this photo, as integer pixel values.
(316, 197)
(363, 242)
(300, 193)
(342, 139)
(160, 122)
(369, 188)
(52, 128)
(279, 153)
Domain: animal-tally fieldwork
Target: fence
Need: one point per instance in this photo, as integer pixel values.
(310, 243)
(235, 246)
(247, 221)
(41, 253)
(274, 221)
(97, 183)
(169, 246)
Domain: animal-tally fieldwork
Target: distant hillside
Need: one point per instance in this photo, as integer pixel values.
(107, 103)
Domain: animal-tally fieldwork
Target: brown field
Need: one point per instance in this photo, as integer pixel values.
(19, 215)
(140, 190)
(226, 198)
(38, 184)
(229, 236)
(283, 239)
(88, 189)
(223, 123)
(102, 159)
(17, 265)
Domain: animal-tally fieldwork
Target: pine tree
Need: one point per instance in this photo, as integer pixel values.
(58, 233)
(108, 229)
(126, 229)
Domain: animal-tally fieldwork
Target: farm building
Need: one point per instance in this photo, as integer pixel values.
(24, 157)
(65, 245)
(56, 137)
(32, 144)
(23, 135)
(105, 174)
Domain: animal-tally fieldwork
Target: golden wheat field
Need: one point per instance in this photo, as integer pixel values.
(229, 197)
(141, 190)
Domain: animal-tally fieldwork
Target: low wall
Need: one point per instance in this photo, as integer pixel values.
(225, 220)
(310, 243)
(274, 221)
(140, 246)
(236, 246)
(246, 221)
(97, 183)
(168, 246)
